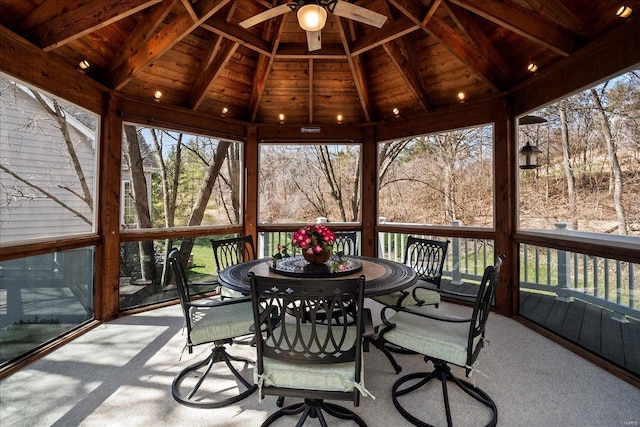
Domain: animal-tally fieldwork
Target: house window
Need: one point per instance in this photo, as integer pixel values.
(129, 218)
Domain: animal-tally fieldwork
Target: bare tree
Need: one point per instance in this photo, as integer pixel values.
(141, 199)
(55, 111)
(566, 163)
(616, 171)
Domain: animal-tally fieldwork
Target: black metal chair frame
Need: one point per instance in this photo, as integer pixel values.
(442, 371)
(296, 304)
(218, 352)
(232, 251)
(346, 242)
(427, 258)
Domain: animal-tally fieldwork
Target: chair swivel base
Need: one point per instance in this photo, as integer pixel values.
(442, 373)
(192, 399)
(315, 408)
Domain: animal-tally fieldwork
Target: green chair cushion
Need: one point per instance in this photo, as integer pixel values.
(229, 293)
(310, 376)
(221, 322)
(437, 339)
(428, 296)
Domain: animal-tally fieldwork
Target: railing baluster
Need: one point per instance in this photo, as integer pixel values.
(607, 293)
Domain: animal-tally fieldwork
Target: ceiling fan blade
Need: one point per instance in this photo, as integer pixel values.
(268, 14)
(314, 40)
(358, 13)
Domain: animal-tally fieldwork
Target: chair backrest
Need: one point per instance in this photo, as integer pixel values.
(426, 257)
(481, 308)
(175, 259)
(346, 242)
(293, 315)
(232, 251)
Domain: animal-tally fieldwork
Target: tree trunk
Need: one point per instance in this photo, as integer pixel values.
(566, 164)
(616, 171)
(141, 199)
(202, 199)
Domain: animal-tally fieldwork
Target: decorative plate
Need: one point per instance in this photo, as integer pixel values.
(297, 266)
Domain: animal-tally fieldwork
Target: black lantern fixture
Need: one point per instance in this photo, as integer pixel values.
(529, 153)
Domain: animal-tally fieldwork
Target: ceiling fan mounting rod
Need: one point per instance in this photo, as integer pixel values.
(329, 5)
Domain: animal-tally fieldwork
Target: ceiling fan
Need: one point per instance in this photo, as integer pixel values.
(312, 16)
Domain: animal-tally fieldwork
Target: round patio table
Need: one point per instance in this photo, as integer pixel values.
(382, 276)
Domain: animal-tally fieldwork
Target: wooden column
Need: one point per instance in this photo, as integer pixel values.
(251, 182)
(505, 167)
(369, 191)
(107, 272)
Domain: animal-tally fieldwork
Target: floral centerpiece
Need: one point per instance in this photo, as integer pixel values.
(315, 241)
(316, 244)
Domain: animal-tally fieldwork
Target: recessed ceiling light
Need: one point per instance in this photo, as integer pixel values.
(84, 64)
(624, 12)
(461, 96)
(157, 95)
(339, 118)
(533, 67)
(281, 118)
(396, 112)
(225, 110)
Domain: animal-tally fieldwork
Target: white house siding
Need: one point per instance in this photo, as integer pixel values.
(32, 146)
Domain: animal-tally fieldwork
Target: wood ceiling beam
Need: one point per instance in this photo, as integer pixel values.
(468, 24)
(357, 70)
(201, 85)
(237, 34)
(329, 51)
(408, 68)
(164, 40)
(310, 90)
(70, 24)
(145, 29)
(456, 44)
(219, 53)
(391, 31)
(272, 31)
(558, 12)
(526, 23)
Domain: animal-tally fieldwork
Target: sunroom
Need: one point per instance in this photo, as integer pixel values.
(131, 127)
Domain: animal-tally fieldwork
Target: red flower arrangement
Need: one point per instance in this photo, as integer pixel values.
(314, 239)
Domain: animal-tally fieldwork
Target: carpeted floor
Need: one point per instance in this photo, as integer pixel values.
(120, 374)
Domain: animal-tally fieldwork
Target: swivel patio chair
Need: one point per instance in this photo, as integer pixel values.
(301, 357)
(427, 258)
(217, 323)
(232, 251)
(346, 242)
(443, 340)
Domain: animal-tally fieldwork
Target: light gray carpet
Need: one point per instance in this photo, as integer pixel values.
(120, 374)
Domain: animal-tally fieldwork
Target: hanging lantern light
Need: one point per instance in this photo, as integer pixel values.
(529, 153)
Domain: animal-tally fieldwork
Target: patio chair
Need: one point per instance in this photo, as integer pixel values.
(301, 357)
(232, 251)
(346, 242)
(210, 322)
(443, 340)
(427, 258)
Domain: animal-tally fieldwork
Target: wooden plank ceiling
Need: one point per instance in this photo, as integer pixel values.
(197, 55)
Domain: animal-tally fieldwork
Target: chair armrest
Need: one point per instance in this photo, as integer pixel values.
(421, 313)
(367, 323)
(220, 303)
(456, 294)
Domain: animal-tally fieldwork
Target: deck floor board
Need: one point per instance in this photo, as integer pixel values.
(582, 323)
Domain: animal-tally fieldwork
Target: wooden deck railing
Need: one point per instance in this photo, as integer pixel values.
(605, 282)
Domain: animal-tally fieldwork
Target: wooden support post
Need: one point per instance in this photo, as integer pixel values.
(107, 276)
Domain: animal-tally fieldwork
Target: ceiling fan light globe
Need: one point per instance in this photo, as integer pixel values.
(312, 17)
